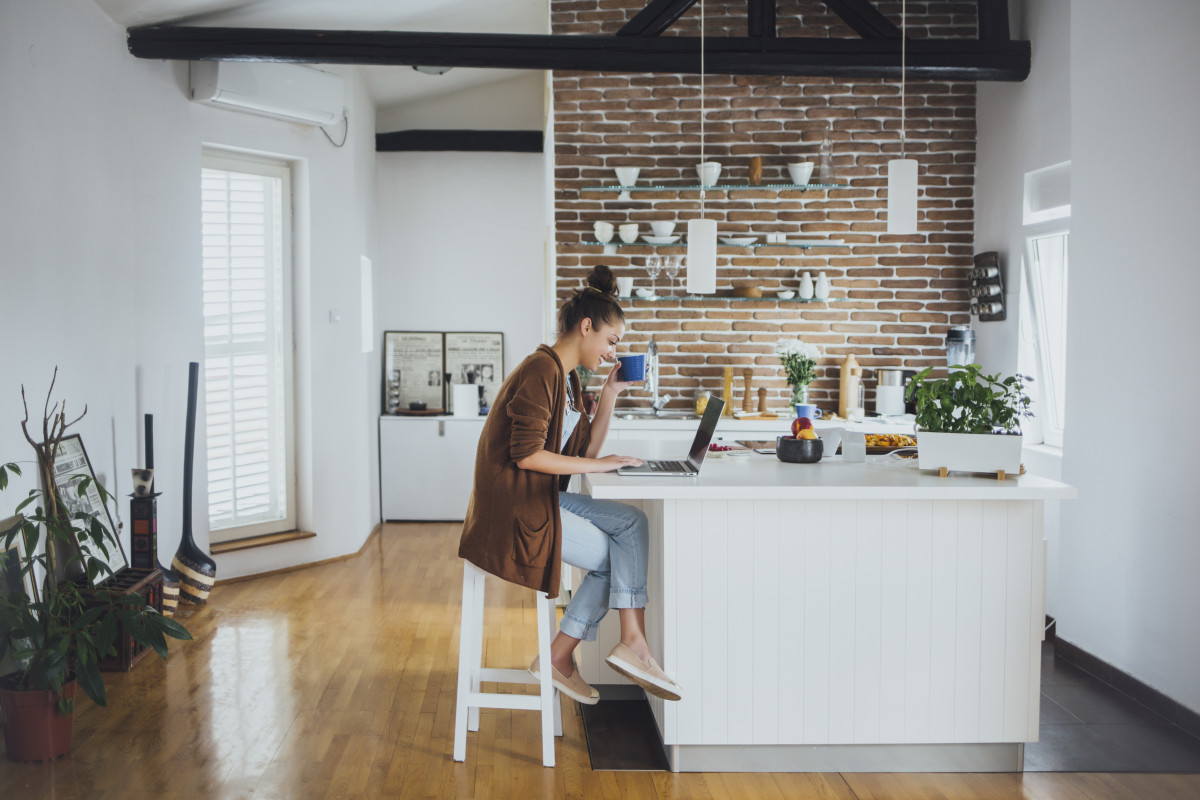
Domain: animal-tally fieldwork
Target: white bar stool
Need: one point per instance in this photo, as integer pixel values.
(471, 671)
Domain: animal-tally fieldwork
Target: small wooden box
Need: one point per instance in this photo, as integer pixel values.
(147, 583)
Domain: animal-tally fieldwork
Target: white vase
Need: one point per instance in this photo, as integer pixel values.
(969, 452)
(806, 286)
(822, 288)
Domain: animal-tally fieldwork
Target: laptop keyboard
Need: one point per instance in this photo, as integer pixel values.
(668, 466)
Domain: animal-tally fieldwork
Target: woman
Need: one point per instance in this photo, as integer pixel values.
(522, 525)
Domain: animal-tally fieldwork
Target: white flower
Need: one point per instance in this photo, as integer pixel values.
(797, 347)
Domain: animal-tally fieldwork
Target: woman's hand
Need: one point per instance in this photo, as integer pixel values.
(615, 385)
(611, 463)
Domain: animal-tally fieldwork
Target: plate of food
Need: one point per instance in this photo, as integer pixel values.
(720, 450)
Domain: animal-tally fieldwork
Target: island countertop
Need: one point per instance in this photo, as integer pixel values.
(764, 477)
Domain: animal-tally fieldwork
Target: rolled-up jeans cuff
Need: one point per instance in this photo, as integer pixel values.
(577, 628)
(626, 598)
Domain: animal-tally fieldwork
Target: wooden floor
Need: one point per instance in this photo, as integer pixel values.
(339, 681)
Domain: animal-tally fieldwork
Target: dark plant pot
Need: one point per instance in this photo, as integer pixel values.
(34, 730)
(799, 451)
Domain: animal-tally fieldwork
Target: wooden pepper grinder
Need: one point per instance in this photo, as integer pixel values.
(747, 400)
(755, 170)
(762, 401)
(727, 393)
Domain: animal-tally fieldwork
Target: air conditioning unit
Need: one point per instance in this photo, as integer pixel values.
(285, 91)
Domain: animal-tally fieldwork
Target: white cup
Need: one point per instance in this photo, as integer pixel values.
(662, 228)
(628, 232)
(627, 176)
(603, 231)
(708, 172)
(625, 286)
(776, 238)
(800, 171)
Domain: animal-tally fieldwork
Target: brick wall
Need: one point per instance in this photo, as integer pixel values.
(893, 296)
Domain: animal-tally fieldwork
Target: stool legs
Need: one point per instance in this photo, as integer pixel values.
(465, 650)
(476, 662)
(545, 669)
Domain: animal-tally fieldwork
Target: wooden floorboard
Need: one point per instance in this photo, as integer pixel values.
(338, 681)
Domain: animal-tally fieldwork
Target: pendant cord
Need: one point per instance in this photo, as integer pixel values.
(903, 58)
(702, 110)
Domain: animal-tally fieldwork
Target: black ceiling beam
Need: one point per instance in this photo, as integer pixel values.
(656, 17)
(459, 140)
(864, 18)
(993, 19)
(929, 59)
(760, 19)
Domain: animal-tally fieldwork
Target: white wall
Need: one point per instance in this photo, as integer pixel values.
(462, 235)
(101, 271)
(1130, 552)
(1023, 127)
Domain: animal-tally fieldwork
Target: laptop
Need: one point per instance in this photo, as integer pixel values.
(690, 467)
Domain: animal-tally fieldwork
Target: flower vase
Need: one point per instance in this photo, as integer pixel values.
(799, 395)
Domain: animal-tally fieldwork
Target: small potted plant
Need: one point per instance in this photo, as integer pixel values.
(57, 631)
(800, 365)
(970, 421)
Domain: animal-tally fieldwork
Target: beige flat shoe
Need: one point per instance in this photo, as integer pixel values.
(573, 687)
(646, 674)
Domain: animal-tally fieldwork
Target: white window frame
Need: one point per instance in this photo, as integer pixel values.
(281, 170)
(1052, 434)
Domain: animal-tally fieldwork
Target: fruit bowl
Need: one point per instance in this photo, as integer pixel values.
(799, 451)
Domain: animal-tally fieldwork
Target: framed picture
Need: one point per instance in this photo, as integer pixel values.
(71, 466)
(476, 358)
(413, 370)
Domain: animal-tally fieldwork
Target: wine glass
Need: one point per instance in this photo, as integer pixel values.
(653, 267)
(672, 266)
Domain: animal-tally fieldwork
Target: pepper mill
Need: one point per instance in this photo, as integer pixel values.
(755, 170)
(727, 393)
(762, 400)
(747, 401)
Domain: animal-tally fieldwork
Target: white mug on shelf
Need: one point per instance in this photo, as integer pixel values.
(625, 286)
(603, 231)
(800, 171)
(708, 172)
(628, 232)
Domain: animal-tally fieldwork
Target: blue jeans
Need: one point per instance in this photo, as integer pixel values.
(612, 542)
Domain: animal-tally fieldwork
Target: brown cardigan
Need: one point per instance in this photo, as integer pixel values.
(513, 529)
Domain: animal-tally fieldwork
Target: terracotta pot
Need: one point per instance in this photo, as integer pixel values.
(34, 730)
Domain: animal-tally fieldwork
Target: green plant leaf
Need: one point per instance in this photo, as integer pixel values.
(91, 682)
(168, 626)
(106, 635)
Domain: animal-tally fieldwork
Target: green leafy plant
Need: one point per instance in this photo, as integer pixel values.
(65, 627)
(585, 376)
(968, 401)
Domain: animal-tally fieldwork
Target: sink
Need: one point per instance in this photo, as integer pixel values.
(648, 413)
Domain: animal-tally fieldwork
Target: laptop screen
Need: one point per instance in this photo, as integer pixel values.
(704, 434)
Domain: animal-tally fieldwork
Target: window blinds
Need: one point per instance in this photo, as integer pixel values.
(245, 348)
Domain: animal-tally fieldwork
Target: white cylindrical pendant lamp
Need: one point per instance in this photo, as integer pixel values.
(702, 256)
(902, 195)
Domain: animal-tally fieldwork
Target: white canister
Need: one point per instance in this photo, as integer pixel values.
(821, 291)
(465, 399)
(806, 286)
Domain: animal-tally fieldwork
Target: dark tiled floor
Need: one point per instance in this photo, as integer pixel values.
(1087, 726)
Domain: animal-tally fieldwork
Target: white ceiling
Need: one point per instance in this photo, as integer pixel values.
(390, 86)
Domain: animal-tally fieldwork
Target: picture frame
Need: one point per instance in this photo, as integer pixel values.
(477, 358)
(71, 466)
(413, 371)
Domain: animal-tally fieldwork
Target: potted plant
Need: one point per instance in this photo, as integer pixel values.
(55, 630)
(970, 421)
(800, 365)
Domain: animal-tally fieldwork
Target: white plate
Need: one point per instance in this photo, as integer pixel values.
(739, 241)
(645, 294)
(817, 242)
(662, 239)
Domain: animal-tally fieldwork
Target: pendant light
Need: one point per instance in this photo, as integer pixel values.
(902, 172)
(702, 233)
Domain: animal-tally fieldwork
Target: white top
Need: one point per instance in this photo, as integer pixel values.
(764, 477)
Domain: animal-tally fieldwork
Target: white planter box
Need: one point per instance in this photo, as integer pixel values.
(969, 452)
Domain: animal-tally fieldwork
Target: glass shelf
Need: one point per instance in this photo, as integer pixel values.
(771, 187)
(658, 298)
(683, 243)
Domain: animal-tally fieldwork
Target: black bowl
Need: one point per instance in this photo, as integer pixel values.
(799, 451)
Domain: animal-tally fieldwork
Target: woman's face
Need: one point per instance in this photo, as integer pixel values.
(600, 344)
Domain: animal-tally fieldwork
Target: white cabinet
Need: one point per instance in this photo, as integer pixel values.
(426, 465)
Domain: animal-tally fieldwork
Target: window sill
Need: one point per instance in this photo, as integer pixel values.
(259, 541)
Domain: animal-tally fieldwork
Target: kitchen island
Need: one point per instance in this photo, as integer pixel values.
(839, 616)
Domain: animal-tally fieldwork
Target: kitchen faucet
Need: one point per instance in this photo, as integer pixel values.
(657, 401)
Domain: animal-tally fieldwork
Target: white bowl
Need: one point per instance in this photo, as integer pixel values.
(662, 228)
(628, 232)
(708, 172)
(739, 241)
(800, 172)
(627, 176)
(661, 239)
(644, 292)
(785, 295)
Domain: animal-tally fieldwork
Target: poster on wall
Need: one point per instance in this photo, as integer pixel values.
(413, 368)
(71, 466)
(476, 358)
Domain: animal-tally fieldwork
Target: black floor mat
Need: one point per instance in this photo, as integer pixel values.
(621, 732)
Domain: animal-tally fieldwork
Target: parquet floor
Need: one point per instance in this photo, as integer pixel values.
(338, 681)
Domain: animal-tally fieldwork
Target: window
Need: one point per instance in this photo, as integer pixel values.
(1047, 219)
(246, 211)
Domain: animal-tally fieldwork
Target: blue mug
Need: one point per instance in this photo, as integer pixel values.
(633, 368)
(808, 410)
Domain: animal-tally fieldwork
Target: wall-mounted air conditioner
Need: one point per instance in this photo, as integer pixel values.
(286, 91)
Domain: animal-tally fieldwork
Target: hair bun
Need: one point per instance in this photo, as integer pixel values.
(602, 279)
